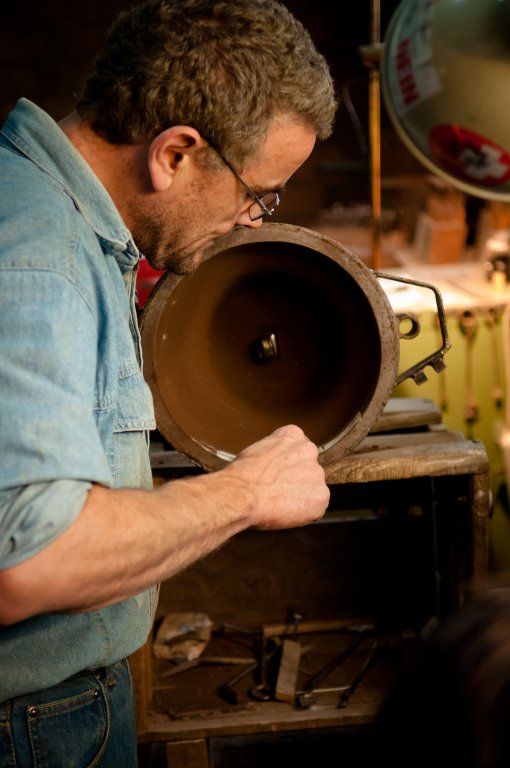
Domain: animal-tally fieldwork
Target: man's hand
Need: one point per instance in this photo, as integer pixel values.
(286, 479)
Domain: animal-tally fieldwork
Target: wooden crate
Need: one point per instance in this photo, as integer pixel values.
(404, 539)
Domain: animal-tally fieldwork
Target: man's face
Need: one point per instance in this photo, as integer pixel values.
(177, 226)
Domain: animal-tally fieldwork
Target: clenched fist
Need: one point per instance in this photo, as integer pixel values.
(287, 482)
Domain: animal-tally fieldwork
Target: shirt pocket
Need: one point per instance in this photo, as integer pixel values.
(133, 417)
(135, 410)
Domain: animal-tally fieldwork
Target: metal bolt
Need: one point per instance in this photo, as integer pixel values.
(266, 347)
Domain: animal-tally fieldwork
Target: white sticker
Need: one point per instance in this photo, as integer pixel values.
(412, 75)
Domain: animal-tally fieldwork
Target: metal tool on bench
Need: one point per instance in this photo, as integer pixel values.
(309, 693)
(265, 650)
(360, 676)
(228, 692)
(183, 666)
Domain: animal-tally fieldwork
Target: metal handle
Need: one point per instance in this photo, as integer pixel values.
(435, 360)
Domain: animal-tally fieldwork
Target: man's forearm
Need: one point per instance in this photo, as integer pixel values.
(124, 541)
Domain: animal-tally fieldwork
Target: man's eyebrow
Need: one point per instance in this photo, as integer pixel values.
(265, 190)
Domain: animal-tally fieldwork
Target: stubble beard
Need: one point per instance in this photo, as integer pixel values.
(162, 246)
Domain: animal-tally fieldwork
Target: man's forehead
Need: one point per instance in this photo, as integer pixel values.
(287, 145)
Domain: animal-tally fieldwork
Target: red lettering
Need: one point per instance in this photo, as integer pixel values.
(405, 74)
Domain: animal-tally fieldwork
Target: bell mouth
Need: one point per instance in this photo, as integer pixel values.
(272, 329)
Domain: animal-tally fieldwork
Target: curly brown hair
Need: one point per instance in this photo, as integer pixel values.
(225, 67)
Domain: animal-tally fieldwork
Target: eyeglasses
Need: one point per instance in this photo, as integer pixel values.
(262, 206)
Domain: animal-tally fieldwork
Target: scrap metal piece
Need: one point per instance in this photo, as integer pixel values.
(360, 676)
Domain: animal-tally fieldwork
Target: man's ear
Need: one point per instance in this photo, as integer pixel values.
(168, 151)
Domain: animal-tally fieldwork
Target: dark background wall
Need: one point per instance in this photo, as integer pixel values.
(46, 49)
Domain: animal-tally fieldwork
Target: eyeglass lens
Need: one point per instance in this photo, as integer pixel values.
(271, 201)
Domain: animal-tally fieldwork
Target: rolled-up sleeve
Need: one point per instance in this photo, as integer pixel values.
(50, 449)
(35, 515)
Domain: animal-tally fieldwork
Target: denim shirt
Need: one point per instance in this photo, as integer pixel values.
(74, 407)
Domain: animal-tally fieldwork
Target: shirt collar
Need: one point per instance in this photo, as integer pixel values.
(37, 136)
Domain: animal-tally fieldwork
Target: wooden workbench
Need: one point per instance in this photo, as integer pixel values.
(403, 542)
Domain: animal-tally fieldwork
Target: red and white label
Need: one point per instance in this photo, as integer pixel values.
(406, 80)
(412, 75)
(469, 156)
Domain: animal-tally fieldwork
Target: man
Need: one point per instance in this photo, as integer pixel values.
(196, 115)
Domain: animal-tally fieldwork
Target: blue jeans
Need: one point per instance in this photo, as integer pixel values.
(85, 721)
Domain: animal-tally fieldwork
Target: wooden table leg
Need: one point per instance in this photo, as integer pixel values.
(140, 665)
(187, 754)
(480, 503)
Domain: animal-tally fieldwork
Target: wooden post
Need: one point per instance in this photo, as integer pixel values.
(140, 664)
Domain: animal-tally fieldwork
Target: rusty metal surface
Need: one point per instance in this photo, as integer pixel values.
(334, 345)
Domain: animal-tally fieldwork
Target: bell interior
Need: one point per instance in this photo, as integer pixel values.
(260, 336)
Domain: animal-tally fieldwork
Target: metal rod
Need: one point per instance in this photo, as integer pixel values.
(375, 138)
